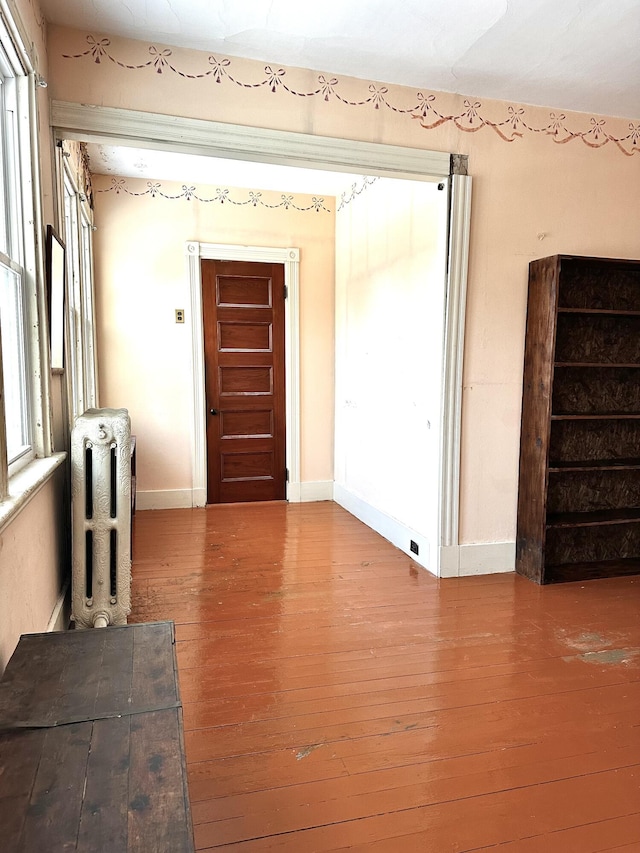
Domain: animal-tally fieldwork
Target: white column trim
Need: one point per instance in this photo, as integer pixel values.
(459, 230)
(290, 258)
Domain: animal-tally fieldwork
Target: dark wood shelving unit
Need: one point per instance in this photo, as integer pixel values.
(579, 490)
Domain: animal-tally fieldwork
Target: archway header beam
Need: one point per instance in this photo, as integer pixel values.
(238, 142)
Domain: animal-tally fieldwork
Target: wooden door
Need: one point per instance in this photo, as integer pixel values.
(243, 311)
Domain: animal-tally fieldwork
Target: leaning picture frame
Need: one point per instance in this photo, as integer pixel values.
(55, 296)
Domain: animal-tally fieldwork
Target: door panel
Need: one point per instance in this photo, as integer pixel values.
(244, 291)
(243, 313)
(235, 423)
(247, 466)
(244, 337)
(239, 381)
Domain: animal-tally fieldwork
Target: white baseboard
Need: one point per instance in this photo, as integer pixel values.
(199, 497)
(450, 561)
(484, 558)
(165, 499)
(61, 615)
(320, 490)
(388, 527)
(293, 493)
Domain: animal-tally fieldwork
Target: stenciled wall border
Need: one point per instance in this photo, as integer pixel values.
(222, 196)
(512, 127)
(349, 195)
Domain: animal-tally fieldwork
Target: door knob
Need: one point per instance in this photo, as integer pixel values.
(213, 411)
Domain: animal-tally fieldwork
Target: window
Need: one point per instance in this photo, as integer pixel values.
(81, 343)
(14, 364)
(88, 324)
(26, 457)
(18, 298)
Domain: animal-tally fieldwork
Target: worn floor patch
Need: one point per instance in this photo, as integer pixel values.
(587, 641)
(303, 753)
(606, 656)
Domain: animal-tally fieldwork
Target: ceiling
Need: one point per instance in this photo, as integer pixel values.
(565, 54)
(214, 171)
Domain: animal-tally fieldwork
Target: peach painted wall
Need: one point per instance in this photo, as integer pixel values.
(545, 181)
(31, 565)
(144, 357)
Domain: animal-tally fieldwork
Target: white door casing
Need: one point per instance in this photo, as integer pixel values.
(290, 258)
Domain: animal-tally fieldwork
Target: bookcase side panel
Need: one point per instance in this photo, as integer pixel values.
(536, 416)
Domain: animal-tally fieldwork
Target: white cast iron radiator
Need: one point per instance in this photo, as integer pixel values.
(101, 518)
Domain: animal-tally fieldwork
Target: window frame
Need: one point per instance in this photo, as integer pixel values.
(21, 198)
(88, 304)
(80, 348)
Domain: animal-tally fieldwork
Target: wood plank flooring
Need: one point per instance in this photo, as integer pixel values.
(338, 697)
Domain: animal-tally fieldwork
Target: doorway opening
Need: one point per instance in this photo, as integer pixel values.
(288, 260)
(161, 132)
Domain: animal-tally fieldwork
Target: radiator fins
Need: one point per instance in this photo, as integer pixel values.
(101, 518)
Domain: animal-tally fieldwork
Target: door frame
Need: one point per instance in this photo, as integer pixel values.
(290, 259)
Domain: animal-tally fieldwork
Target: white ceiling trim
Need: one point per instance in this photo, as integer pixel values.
(196, 136)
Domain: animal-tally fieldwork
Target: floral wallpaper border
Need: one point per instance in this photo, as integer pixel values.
(351, 194)
(512, 127)
(222, 196)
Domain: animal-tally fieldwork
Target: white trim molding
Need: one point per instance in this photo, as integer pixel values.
(318, 490)
(388, 527)
(453, 561)
(290, 258)
(481, 558)
(238, 142)
(164, 499)
(459, 229)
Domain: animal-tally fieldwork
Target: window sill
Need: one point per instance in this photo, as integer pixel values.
(26, 484)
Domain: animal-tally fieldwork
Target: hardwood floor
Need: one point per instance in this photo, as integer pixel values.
(338, 697)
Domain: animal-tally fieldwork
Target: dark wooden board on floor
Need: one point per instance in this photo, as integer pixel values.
(91, 744)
